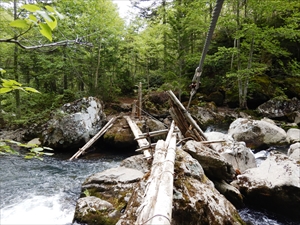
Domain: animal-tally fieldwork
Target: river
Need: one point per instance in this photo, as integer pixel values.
(45, 192)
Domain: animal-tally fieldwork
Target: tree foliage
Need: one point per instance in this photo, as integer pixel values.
(95, 52)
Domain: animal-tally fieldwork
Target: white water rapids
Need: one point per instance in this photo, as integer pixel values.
(44, 192)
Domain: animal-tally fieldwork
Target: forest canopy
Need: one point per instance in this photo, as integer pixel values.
(70, 49)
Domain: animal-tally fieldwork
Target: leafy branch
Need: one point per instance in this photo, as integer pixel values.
(34, 150)
(45, 20)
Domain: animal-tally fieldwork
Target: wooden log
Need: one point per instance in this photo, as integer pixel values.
(95, 138)
(146, 147)
(152, 134)
(181, 116)
(152, 184)
(136, 132)
(133, 112)
(162, 211)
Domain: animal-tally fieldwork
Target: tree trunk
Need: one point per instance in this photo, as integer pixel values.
(16, 71)
(98, 67)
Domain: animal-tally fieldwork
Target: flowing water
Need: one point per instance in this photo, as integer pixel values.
(45, 192)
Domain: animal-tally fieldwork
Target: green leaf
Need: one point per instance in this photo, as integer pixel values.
(44, 15)
(31, 8)
(19, 23)
(5, 90)
(38, 149)
(52, 24)
(10, 83)
(30, 89)
(2, 71)
(48, 153)
(48, 148)
(45, 31)
(32, 18)
(49, 8)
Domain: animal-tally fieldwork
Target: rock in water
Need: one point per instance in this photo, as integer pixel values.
(74, 124)
(274, 185)
(257, 133)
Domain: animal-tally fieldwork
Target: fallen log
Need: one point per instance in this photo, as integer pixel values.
(156, 207)
(152, 184)
(184, 120)
(152, 134)
(136, 132)
(162, 211)
(95, 138)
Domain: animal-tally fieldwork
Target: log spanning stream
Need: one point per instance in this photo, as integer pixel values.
(45, 192)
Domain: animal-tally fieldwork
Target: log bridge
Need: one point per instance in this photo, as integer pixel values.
(156, 208)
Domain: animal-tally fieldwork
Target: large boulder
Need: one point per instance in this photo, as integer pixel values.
(273, 185)
(211, 115)
(75, 123)
(257, 133)
(195, 200)
(120, 135)
(278, 108)
(235, 153)
(108, 193)
(215, 166)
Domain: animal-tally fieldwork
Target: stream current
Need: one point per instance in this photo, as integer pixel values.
(45, 192)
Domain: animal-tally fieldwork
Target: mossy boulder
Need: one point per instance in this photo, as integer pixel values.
(105, 195)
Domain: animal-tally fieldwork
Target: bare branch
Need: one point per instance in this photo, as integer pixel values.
(55, 44)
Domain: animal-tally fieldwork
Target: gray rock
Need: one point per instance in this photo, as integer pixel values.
(137, 162)
(235, 153)
(94, 209)
(293, 135)
(111, 188)
(257, 133)
(214, 165)
(75, 123)
(114, 176)
(276, 108)
(294, 151)
(274, 185)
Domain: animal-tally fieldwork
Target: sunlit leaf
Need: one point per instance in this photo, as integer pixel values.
(38, 149)
(48, 148)
(48, 153)
(19, 23)
(45, 31)
(52, 24)
(2, 71)
(32, 18)
(30, 89)
(31, 8)
(44, 15)
(10, 83)
(49, 8)
(5, 90)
